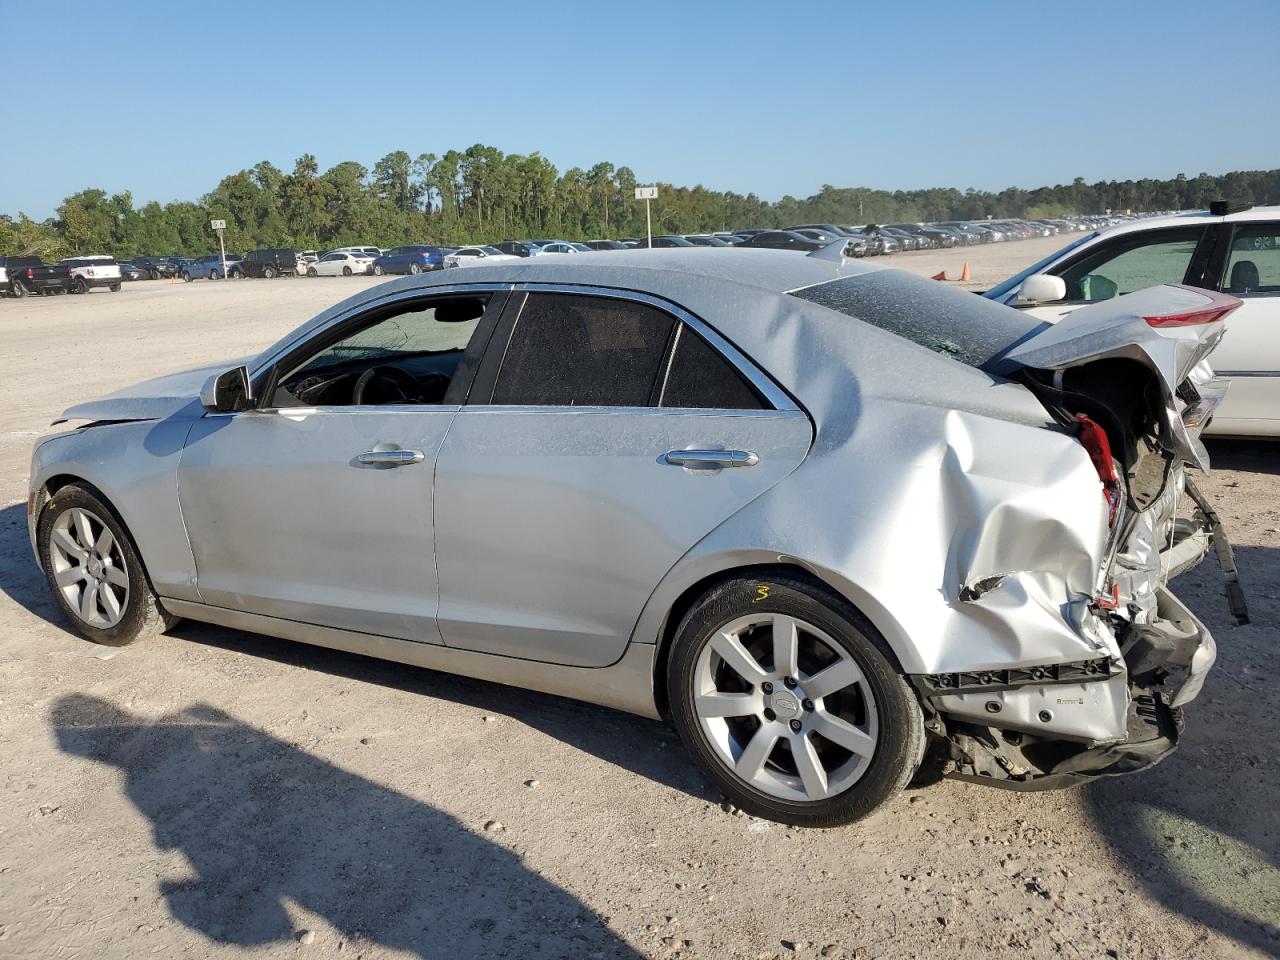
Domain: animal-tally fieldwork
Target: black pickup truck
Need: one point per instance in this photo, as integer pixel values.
(33, 275)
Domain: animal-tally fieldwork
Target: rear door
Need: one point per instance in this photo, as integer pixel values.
(606, 434)
(1250, 351)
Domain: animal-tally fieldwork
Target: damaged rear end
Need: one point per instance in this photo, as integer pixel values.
(1128, 379)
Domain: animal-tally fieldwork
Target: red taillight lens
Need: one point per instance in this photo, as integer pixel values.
(1217, 306)
(1094, 439)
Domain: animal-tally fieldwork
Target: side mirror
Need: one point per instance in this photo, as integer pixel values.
(227, 392)
(1042, 288)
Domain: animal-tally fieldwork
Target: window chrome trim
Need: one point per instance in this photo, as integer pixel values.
(774, 394)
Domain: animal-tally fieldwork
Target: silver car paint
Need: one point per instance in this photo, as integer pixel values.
(925, 475)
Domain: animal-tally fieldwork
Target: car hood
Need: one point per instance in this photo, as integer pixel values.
(151, 399)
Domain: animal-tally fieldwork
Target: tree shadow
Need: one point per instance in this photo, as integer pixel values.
(1201, 831)
(262, 822)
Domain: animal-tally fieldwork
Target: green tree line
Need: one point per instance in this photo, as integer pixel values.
(482, 195)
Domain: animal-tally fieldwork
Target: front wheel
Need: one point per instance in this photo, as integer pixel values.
(186, 276)
(213, 274)
(268, 273)
(94, 571)
(114, 288)
(377, 270)
(236, 274)
(311, 272)
(791, 702)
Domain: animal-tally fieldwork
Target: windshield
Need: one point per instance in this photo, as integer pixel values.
(1001, 289)
(956, 324)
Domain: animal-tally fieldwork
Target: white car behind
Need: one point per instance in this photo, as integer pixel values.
(474, 256)
(1233, 249)
(341, 264)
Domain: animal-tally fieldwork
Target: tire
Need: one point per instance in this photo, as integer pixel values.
(114, 288)
(268, 273)
(377, 270)
(133, 612)
(346, 271)
(186, 276)
(311, 272)
(213, 274)
(414, 269)
(79, 286)
(873, 709)
(18, 290)
(236, 274)
(153, 275)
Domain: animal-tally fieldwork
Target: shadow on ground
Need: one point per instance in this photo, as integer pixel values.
(263, 822)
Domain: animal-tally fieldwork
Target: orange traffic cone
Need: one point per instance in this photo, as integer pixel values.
(964, 273)
(939, 276)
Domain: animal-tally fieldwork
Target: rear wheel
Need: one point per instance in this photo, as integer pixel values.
(213, 274)
(79, 285)
(114, 288)
(377, 270)
(791, 702)
(346, 271)
(18, 289)
(94, 571)
(236, 274)
(311, 272)
(186, 276)
(414, 268)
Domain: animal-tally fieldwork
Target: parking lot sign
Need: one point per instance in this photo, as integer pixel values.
(646, 194)
(218, 224)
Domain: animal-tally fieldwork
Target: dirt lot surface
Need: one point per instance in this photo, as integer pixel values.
(218, 794)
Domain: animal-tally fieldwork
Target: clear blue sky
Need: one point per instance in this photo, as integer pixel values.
(776, 98)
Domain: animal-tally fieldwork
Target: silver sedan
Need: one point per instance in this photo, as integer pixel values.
(822, 515)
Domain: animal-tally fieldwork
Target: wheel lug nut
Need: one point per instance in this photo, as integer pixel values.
(795, 725)
(790, 682)
(767, 687)
(807, 704)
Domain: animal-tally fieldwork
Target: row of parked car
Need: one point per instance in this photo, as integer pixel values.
(20, 276)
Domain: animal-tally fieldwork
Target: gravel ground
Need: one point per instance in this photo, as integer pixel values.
(216, 793)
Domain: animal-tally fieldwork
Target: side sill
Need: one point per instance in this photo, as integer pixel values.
(625, 685)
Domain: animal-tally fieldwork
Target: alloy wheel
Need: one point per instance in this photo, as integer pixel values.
(785, 707)
(89, 568)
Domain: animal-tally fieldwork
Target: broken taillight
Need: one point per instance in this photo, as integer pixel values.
(1218, 305)
(1094, 439)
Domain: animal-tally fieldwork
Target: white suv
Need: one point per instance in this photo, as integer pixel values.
(94, 271)
(1233, 249)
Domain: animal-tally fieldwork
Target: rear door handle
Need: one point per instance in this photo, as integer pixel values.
(711, 459)
(391, 458)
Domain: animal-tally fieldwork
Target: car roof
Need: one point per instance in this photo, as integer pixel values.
(1190, 218)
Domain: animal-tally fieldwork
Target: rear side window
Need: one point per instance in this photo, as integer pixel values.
(571, 350)
(698, 376)
(1253, 267)
(960, 325)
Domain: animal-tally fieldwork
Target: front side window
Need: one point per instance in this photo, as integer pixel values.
(407, 356)
(1253, 264)
(569, 350)
(1132, 262)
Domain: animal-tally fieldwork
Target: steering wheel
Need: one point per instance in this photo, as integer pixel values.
(402, 386)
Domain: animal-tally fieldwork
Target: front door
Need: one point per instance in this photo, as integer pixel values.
(317, 506)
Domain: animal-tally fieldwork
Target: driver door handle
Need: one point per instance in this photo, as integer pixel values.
(391, 458)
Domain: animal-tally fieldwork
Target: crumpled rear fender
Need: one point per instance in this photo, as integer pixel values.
(970, 542)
